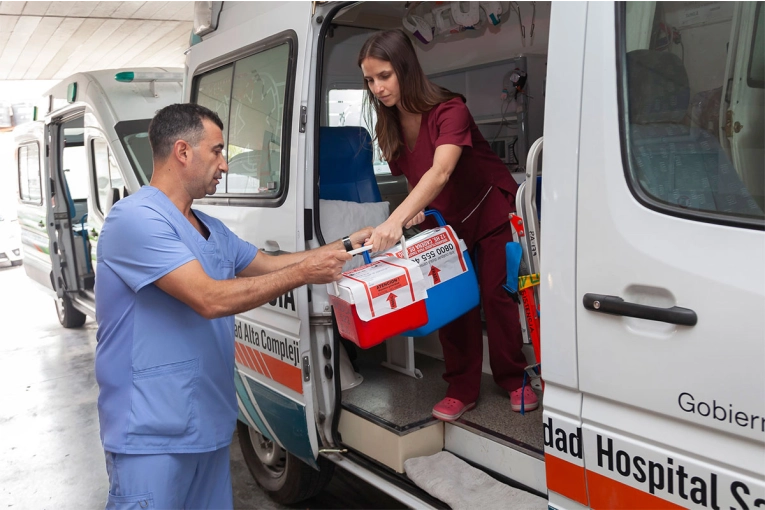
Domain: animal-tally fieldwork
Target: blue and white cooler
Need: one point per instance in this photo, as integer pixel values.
(446, 267)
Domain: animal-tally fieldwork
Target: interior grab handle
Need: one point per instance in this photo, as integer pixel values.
(614, 305)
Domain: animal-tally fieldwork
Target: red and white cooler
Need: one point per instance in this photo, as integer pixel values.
(379, 300)
(446, 267)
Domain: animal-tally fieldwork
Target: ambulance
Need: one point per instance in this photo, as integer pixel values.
(89, 149)
(639, 125)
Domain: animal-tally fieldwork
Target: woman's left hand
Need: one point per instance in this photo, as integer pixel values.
(418, 218)
(385, 236)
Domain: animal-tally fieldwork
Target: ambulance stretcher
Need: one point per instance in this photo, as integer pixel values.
(523, 256)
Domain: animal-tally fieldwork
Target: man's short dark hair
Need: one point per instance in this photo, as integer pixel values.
(175, 122)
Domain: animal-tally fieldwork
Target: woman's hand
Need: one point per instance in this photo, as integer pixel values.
(359, 238)
(418, 218)
(385, 236)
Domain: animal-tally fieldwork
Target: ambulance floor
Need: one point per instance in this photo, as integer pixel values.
(401, 402)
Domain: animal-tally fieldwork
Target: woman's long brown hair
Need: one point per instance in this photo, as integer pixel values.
(418, 94)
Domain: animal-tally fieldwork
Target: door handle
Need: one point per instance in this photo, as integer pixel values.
(271, 247)
(614, 305)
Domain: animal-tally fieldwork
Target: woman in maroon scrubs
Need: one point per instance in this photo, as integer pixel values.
(427, 134)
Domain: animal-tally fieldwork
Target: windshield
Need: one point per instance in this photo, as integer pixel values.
(134, 137)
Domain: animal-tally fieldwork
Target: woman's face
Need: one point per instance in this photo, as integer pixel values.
(381, 80)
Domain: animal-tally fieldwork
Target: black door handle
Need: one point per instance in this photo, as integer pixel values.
(614, 305)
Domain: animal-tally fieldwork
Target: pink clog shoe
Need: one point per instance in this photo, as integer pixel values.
(529, 399)
(449, 409)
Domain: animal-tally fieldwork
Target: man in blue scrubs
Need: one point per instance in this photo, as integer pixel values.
(166, 295)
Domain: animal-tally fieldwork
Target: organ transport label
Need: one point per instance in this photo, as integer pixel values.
(382, 287)
(437, 251)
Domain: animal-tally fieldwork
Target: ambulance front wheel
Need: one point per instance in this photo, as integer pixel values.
(68, 315)
(283, 476)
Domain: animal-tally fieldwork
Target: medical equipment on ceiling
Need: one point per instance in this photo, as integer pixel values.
(428, 22)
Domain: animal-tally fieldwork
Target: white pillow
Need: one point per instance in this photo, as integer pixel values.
(339, 218)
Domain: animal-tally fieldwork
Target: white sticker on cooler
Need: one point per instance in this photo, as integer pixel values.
(384, 286)
(438, 252)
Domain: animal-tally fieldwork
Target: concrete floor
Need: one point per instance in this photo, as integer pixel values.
(50, 452)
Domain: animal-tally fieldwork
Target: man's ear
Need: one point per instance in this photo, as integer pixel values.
(182, 151)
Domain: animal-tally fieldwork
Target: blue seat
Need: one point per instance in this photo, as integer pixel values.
(346, 171)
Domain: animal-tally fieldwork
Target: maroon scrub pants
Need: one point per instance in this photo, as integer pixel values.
(462, 339)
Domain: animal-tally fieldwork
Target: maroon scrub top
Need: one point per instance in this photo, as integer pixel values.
(481, 191)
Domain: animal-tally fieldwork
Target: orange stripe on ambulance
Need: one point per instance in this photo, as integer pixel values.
(686, 482)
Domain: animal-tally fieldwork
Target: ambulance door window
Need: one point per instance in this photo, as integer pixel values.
(255, 138)
(213, 91)
(106, 174)
(756, 67)
(346, 109)
(673, 74)
(29, 173)
(23, 173)
(75, 171)
(252, 97)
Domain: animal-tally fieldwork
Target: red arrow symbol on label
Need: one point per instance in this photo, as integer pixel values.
(434, 273)
(392, 300)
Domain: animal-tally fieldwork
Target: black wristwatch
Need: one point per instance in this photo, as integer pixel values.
(347, 243)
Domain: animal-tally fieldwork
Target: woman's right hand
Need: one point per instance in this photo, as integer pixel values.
(418, 218)
(385, 235)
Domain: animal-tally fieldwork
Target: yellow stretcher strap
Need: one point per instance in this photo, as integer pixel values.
(528, 280)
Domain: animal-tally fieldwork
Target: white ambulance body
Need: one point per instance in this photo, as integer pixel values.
(652, 293)
(91, 150)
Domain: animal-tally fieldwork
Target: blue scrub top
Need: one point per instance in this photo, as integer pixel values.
(165, 373)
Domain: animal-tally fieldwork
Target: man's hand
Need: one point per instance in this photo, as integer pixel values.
(324, 266)
(385, 235)
(418, 218)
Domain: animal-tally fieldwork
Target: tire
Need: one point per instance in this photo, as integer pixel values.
(68, 315)
(285, 478)
(16, 262)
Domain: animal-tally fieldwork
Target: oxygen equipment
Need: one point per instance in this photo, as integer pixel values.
(428, 20)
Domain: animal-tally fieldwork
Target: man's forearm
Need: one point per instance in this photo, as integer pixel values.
(283, 260)
(229, 297)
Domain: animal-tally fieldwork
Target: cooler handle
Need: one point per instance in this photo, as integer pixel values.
(364, 250)
(437, 216)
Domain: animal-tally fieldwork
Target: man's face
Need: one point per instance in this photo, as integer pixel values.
(209, 162)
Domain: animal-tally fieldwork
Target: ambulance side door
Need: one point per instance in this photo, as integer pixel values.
(250, 72)
(670, 280)
(106, 185)
(31, 209)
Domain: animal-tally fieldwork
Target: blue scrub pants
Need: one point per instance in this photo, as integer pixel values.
(169, 481)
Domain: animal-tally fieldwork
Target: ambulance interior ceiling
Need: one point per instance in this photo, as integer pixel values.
(485, 44)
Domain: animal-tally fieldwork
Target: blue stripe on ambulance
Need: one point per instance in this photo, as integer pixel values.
(244, 397)
(282, 414)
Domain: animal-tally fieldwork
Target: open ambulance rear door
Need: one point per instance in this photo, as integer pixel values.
(670, 280)
(251, 71)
